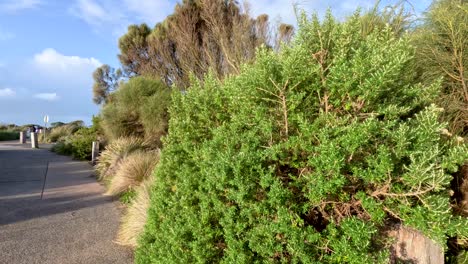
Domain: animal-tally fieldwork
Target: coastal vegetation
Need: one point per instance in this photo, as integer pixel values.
(233, 140)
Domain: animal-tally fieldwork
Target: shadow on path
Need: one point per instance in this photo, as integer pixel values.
(52, 210)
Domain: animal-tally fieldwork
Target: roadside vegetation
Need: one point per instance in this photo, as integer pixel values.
(74, 138)
(11, 131)
(240, 141)
(8, 135)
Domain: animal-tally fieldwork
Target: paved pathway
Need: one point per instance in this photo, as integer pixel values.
(52, 211)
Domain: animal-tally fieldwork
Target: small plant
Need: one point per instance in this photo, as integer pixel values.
(128, 196)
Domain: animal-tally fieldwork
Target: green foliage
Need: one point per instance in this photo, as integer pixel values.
(62, 148)
(8, 135)
(304, 156)
(78, 145)
(138, 108)
(128, 196)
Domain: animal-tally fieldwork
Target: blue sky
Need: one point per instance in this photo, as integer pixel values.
(49, 48)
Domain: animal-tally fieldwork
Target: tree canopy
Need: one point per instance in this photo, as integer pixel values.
(200, 35)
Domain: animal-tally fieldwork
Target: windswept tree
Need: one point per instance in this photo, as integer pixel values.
(134, 49)
(200, 35)
(106, 80)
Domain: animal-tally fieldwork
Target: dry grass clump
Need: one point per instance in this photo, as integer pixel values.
(134, 220)
(133, 170)
(110, 159)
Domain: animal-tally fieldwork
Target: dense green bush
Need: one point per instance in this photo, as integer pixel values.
(304, 157)
(8, 135)
(138, 108)
(78, 145)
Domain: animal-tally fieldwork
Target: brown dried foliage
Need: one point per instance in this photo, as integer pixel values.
(201, 35)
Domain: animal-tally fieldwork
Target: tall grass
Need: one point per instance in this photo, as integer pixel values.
(116, 151)
(135, 217)
(134, 169)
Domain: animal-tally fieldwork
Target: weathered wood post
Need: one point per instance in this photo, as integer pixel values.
(34, 140)
(95, 152)
(22, 137)
(411, 246)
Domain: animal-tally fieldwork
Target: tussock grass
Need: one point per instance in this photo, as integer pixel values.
(133, 169)
(134, 220)
(110, 159)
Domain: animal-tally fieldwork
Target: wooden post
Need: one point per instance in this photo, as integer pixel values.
(34, 140)
(411, 246)
(95, 152)
(22, 137)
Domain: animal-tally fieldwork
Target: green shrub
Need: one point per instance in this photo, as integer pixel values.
(128, 196)
(8, 135)
(304, 157)
(78, 145)
(138, 108)
(82, 142)
(62, 148)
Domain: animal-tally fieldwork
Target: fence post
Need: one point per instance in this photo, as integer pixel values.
(411, 246)
(22, 137)
(34, 140)
(95, 152)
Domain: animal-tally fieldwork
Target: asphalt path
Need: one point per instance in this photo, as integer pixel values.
(52, 210)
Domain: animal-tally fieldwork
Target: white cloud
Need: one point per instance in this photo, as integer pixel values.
(53, 62)
(47, 96)
(18, 5)
(116, 15)
(92, 12)
(7, 92)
